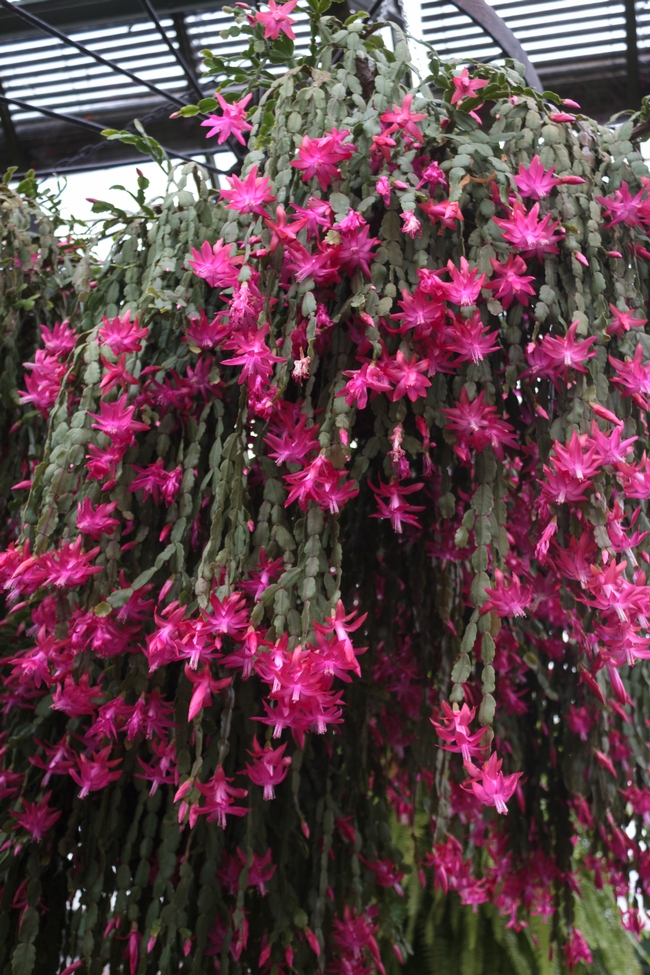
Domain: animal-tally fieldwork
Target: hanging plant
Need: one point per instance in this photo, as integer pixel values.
(326, 615)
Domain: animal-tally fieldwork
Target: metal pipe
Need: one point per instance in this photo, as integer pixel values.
(177, 52)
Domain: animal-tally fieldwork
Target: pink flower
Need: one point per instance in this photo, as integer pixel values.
(466, 87)
(491, 786)
(420, 313)
(270, 768)
(371, 377)
(116, 375)
(253, 354)
(116, 421)
(576, 949)
(382, 145)
(561, 117)
(249, 195)
(229, 617)
(447, 213)
(171, 627)
(76, 699)
(395, 508)
(102, 463)
(477, 427)
(266, 571)
(216, 264)
(402, 119)
(204, 687)
(567, 352)
(456, 731)
(202, 334)
(623, 321)
(322, 483)
(166, 771)
(44, 381)
(69, 567)
(529, 234)
(321, 157)
(230, 122)
(356, 250)
(625, 208)
(317, 213)
(383, 189)
(407, 374)
(353, 936)
(219, 796)
(293, 441)
(433, 175)
(277, 19)
(464, 287)
(536, 182)
(60, 340)
(154, 480)
(121, 334)
(506, 600)
(37, 818)
(341, 625)
(10, 783)
(470, 339)
(75, 966)
(610, 447)
(60, 759)
(511, 283)
(579, 459)
(95, 773)
(132, 950)
(322, 265)
(633, 377)
(412, 225)
(580, 721)
(96, 521)
(386, 874)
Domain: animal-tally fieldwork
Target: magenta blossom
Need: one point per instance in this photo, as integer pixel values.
(491, 786)
(231, 122)
(37, 818)
(321, 157)
(276, 20)
(528, 233)
(217, 264)
(97, 521)
(219, 798)
(536, 182)
(270, 768)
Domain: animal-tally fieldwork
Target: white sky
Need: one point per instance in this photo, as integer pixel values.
(76, 188)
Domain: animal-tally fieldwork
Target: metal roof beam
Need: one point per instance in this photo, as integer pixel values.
(14, 148)
(87, 124)
(633, 80)
(80, 14)
(176, 51)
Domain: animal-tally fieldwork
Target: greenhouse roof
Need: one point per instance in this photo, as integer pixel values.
(595, 51)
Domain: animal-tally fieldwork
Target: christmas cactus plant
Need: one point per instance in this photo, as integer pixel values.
(324, 558)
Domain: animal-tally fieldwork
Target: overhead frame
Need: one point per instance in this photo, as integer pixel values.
(62, 145)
